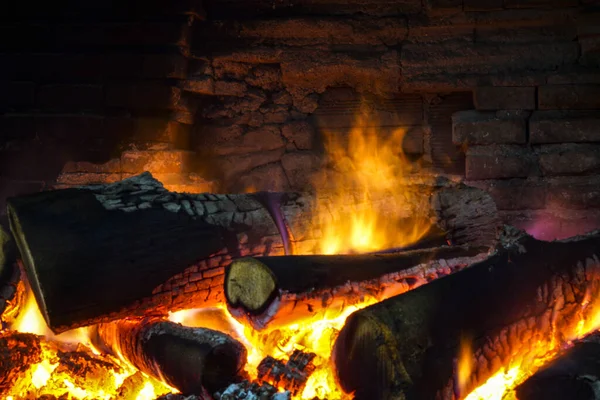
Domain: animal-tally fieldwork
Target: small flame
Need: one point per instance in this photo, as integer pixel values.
(465, 363)
(362, 208)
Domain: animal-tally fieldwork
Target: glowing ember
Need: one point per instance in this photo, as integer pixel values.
(71, 366)
(362, 208)
(527, 361)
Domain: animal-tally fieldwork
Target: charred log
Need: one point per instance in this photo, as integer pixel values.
(180, 243)
(528, 291)
(575, 375)
(291, 375)
(78, 245)
(284, 289)
(189, 359)
(247, 390)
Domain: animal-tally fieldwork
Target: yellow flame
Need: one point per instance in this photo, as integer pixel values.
(465, 363)
(48, 378)
(362, 207)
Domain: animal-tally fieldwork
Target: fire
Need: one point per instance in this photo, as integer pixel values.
(465, 363)
(362, 208)
(316, 336)
(525, 363)
(86, 375)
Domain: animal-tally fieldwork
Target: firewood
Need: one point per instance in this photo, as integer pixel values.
(574, 375)
(524, 293)
(188, 359)
(83, 248)
(105, 252)
(286, 289)
(290, 375)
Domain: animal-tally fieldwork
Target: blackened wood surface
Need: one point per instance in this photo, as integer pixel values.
(303, 286)
(575, 375)
(189, 359)
(408, 345)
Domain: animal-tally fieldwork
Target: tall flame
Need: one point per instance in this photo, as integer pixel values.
(361, 208)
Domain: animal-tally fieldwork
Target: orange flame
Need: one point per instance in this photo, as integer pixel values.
(530, 359)
(465, 363)
(48, 378)
(362, 207)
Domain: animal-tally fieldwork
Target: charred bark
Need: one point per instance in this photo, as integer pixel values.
(285, 289)
(575, 375)
(528, 291)
(82, 248)
(189, 359)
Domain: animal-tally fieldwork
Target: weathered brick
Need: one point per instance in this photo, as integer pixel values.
(228, 88)
(161, 130)
(200, 85)
(574, 192)
(499, 162)
(564, 126)
(299, 167)
(155, 95)
(483, 128)
(504, 98)
(301, 133)
(569, 159)
(72, 129)
(16, 94)
(461, 57)
(579, 97)
(86, 178)
(225, 141)
(515, 194)
(268, 177)
(111, 166)
(155, 161)
(63, 96)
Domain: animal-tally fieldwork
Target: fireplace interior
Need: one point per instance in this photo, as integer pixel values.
(310, 199)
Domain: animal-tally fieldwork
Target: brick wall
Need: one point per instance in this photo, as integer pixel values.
(235, 94)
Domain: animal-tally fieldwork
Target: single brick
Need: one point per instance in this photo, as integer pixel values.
(564, 126)
(577, 97)
(574, 192)
(569, 159)
(515, 194)
(173, 161)
(499, 162)
(483, 128)
(504, 98)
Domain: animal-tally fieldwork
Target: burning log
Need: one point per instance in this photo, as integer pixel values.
(179, 243)
(575, 375)
(189, 359)
(291, 375)
(528, 292)
(124, 231)
(287, 289)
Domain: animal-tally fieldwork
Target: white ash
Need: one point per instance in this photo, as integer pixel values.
(251, 391)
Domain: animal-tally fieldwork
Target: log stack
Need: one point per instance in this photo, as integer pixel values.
(82, 248)
(527, 291)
